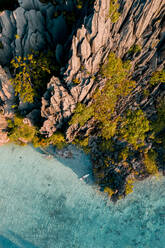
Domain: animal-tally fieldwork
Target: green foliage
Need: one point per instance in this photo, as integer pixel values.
(77, 81)
(109, 128)
(30, 74)
(146, 92)
(158, 77)
(81, 114)
(19, 132)
(118, 86)
(22, 133)
(159, 124)
(104, 101)
(124, 154)
(57, 139)
(83, 143)
(134, 49)
(150, 162)
(134, 127)
(113, 11)
(107, 145)
(109, 191)
(129, 186)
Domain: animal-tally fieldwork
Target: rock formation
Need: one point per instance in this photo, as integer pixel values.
(7, 100)
(140, 23)
(32, 26)
(138, 35)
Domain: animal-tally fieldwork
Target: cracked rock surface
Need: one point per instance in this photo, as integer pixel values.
(140, 23)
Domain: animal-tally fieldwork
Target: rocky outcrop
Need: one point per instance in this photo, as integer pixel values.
(140, 24)
(32, 26)
(7, 100)
(59, 103)
(7, 96)
(138, 35)
(3, 133)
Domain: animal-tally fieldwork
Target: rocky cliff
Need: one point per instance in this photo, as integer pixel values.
(31, 26)
(140, 22)
(133, 30)
(139, 36)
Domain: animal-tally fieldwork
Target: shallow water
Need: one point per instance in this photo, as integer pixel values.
(43, 204)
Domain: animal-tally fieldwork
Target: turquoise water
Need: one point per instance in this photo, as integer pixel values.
(44, 204)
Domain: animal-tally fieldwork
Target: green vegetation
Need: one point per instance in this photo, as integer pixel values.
(134, 127)
(57, 139)
(113, 11)
(23, 133)
(150, 162)
(134, 49)
(109, 191)
(129, 126)
(19, 132)
(159, 124)
(124, 154)
(81, 114)
(110, 121)
(104, 101)
(31, 74)
(77, 81)
(83, 143)
(129, 185)
(107, 145)
(72, 15)
(158, 77)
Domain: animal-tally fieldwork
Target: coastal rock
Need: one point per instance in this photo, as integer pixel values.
(139, 23)
(138, 35)
(57, 105)
(59, 102)
(3, 133)
(7, 100)
(7, 96)
(32, 26)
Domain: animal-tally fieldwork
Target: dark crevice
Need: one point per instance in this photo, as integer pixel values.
(8, 5)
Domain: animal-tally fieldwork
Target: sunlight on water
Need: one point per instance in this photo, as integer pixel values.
(44, 204)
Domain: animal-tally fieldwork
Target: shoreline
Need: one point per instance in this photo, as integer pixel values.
(68, 156)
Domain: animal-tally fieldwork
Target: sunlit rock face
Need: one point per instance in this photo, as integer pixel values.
(32, 26)
(7, 95)
(140, 23)
(7, 100)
